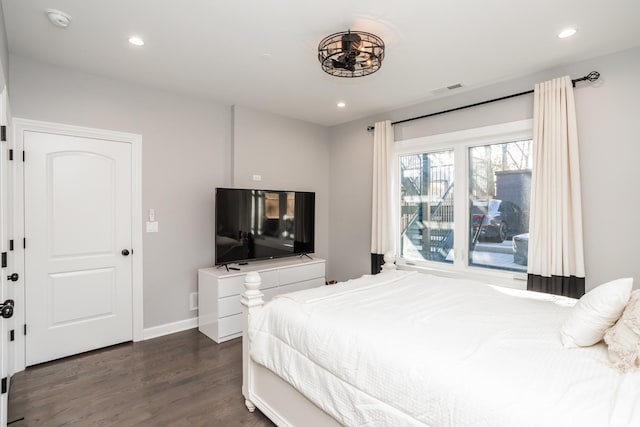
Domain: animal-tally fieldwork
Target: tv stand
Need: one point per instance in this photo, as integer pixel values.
(227, 267)
(306, 255)
(219, 308)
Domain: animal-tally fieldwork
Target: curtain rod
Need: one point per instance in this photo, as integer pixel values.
(592, 77)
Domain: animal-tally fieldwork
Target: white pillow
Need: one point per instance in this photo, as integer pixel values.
(595, 312)
(623, 338)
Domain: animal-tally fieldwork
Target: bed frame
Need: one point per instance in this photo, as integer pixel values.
(263, 389)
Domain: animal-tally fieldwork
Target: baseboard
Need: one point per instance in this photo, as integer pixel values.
(169, 328)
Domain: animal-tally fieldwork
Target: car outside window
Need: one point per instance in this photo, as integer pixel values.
(499, 199)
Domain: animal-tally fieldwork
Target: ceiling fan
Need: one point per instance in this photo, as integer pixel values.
(351, 54)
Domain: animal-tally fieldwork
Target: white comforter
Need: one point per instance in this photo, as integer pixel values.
(409, 349)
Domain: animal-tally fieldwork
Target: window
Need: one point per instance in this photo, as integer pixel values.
(427, 205)
(464, 198)
(499, 195)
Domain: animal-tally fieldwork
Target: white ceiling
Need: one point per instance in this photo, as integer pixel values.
(263, 53)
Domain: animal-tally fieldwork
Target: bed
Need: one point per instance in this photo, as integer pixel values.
(409, 349)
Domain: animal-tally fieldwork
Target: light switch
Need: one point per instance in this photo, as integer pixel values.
(152, 214)
(152, 226)
(257, 177)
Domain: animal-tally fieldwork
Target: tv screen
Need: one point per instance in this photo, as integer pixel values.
(263, 224)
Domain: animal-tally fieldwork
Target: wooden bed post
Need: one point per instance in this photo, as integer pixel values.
(252, 302)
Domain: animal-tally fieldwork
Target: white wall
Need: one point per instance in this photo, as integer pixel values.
(185, 154)
(4, 51)
(288, 154)
(609, 133)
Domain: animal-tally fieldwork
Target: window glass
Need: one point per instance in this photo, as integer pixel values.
(426, 211)
(499, 199)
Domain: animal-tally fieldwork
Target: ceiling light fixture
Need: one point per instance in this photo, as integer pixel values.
(351, 54)
(58, 18)
(136, 41)
(341, 104)
(568, 32)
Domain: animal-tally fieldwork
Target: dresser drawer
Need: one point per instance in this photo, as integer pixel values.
(230, 305)
(307, 284)
(301, 273)
(270, 279)
(235, 285)
(230, 325)
(230, 286)
(270, 293)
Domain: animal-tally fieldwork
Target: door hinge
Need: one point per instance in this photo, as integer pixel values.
(12, 335)
(4, 385)
(11, 244)
(24, 243)
(10, 153)
(23, 155)
(25, 329)
(3, 133)
(4, 259)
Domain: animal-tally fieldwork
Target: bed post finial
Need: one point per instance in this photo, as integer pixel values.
(252, 296)
(389, 261)
(252, 302)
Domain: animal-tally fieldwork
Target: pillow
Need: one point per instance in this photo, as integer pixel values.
(623, 338)
(595, 312)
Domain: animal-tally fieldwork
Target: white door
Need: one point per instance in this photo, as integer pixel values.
(6, 293)
(78, 285)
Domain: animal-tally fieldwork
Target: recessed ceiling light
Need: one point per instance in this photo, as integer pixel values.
(568, 32)
(341, 104)
(136, 41)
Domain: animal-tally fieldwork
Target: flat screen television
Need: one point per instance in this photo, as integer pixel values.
(263, 224)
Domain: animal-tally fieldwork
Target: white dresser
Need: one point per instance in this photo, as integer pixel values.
(219, 309)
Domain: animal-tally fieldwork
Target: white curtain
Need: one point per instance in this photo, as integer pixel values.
(556, 259)
(381, 207)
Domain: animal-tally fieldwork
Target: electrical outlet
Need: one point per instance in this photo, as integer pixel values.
(193, 301)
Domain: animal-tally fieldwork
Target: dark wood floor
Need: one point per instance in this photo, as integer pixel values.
(183, 379)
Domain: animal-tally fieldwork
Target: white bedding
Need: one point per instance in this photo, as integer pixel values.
(409, 349)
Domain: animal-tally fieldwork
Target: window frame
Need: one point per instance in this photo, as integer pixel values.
(459, 142)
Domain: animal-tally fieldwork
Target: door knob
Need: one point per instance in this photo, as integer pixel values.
(6, 309)
(14, 277)
(125, 252)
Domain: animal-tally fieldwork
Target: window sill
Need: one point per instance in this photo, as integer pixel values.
(508, 279)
